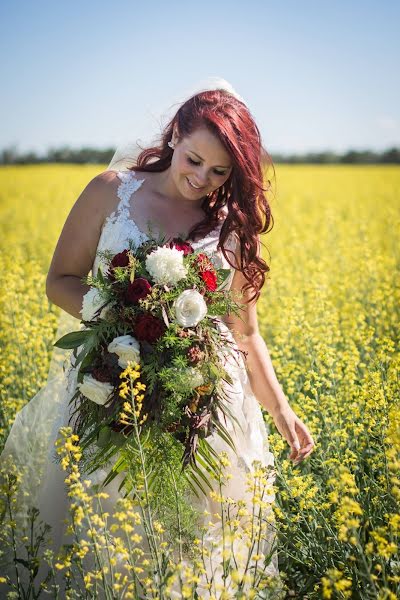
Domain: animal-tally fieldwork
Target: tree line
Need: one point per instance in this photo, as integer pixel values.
(89, 155)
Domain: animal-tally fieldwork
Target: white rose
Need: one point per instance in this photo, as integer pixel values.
(190, 308)
(97, 391)
(91, 302)
(127, 348)
(166, 266)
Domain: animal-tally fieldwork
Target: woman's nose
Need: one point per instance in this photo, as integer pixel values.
(201, 178)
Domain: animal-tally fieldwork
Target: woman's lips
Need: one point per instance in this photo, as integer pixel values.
(194, 187)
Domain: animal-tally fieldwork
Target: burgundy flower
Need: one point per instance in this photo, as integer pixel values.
(180, 244)
(102, 374)
(120, 260)
(148, 328)
(139, 288)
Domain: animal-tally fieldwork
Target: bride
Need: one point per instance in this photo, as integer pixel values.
(202, 182)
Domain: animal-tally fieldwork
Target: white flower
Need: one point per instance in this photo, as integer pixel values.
(127, 348)
(166, 266)
(97, 391)
(190, 308)
(91, 302)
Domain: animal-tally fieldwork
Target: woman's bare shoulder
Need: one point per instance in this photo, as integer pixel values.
(101, 193)
(105, 181)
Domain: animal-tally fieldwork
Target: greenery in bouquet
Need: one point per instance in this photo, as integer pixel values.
(151, 362)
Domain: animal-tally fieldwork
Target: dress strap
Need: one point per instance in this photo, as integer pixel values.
(128, 186)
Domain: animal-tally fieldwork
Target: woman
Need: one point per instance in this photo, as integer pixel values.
(203, 181)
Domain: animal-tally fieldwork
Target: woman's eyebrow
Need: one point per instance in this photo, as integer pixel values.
(198, 156)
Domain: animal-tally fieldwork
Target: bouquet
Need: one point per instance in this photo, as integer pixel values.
(151, 358)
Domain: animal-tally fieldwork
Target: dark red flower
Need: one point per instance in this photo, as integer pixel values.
(148, 328)
(210, 279)
(139, 288)
(102, 374)
(120, 260)
(180, 244)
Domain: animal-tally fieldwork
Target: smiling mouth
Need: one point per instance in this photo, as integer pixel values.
(193, 186)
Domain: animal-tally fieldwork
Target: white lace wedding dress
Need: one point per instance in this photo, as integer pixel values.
(31, 439)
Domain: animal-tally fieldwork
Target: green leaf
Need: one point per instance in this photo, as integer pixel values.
(73, 339)
(85, 358)
(214, 371)
(100, 275)
(82, 356)
(201, 474)
(227, 411)
(205, 456)
(117, 439)
(223, 275)
(224, 434)
(206, 447)
(211, 473)
(104, 436)
(191, 484)
(191, 477)
(112, 475)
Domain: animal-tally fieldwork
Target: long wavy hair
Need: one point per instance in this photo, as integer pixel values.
(243, 196)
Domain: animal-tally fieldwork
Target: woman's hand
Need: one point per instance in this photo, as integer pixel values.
(295, 432)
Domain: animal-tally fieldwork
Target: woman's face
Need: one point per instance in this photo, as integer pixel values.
(200, 164)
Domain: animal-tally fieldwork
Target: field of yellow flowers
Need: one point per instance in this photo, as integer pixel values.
(329, 314)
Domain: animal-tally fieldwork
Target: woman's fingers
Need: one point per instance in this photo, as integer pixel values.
(306, 443)
(293, 430)
(304, 452)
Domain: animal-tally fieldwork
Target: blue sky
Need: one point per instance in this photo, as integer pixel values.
(316, 75)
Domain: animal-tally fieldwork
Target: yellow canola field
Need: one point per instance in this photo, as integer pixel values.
(329, 314)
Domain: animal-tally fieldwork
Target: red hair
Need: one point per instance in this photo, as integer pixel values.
(248, 210)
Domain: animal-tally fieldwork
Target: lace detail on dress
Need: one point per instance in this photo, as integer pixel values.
(129, 184)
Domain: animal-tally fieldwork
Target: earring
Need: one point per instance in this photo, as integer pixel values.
(171, 144)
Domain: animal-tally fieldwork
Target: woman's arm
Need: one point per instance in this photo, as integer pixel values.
(262, 377)
(76, 248)
(245, 330)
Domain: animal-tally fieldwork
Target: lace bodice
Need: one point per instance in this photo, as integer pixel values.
(119, 227)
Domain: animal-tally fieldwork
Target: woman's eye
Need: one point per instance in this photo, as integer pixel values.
(193, 162)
